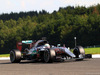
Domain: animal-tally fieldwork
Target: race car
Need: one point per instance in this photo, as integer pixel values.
(41, 50)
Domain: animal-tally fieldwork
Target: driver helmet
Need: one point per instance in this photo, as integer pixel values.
(47, 45)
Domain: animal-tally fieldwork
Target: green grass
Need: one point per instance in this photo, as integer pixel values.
(92, 50)
(4, 55)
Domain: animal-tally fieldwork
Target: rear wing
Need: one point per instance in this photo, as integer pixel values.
(25, 42)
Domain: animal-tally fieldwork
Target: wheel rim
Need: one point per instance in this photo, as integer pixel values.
(46, 56)
(12, 56)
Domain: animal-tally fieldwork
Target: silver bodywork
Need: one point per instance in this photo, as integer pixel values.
(41, 46)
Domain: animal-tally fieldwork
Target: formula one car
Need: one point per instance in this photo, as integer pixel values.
(41, 50)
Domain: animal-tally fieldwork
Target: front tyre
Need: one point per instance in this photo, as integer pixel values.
(15, 56)
(79, 52)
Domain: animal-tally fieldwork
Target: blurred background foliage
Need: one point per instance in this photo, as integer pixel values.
(59, 27)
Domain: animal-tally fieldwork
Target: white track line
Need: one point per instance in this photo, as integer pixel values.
(96, 56)
(4, 58)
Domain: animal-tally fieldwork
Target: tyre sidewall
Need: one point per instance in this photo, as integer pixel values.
(16, 58)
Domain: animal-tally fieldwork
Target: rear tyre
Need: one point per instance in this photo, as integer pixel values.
(15, 56)
(79, 52)
(49, 56)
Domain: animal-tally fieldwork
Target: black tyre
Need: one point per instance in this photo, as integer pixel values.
(79, 52)
(15, 56)
(49, 56)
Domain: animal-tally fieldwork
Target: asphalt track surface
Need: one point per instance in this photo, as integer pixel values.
(69, 67)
